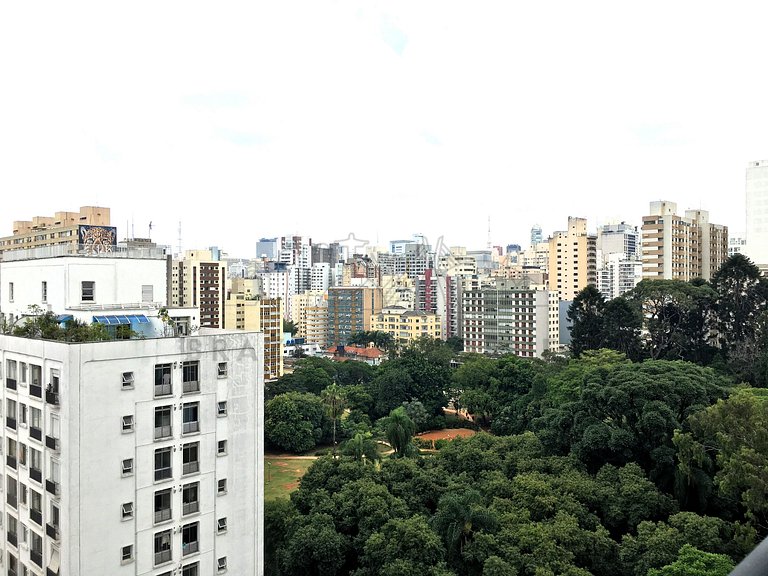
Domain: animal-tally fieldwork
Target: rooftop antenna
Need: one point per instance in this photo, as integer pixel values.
(150, 230)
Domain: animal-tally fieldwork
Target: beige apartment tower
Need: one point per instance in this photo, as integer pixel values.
(572, 259)
(200, 280)
(681, 247)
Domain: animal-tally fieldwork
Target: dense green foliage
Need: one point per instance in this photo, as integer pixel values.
(46, 326)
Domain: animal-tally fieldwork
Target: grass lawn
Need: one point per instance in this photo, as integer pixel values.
(281, 476)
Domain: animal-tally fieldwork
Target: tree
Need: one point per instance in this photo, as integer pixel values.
(459, 516)
(290, 327)
(399, 430)
(294, 421)
(693, 562)
(334, 400)
(314, 548)
(362, 448)
(455, 343)
(742, 294)
(417, 413)
(406, 546)
(586, 317)
(622, 323)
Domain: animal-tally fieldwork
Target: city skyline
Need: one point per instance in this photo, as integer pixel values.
(256, 121)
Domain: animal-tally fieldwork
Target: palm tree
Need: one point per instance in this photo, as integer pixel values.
(399, 430)
(334, 399)
(362, 448)
(459, 516)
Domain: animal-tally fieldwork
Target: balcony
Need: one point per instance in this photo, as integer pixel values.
(36, 433)
(36, 390)
(191, 386)
(188, 548)
(163, 389)
(52, 531)
(52, 443)
(163, 432)
(36, 557)
(10, 422)
(52, 397)
(36, 474)
(162, 515)
(52, 487)
(10, 383)
(36, 516)
(11, 461)
(190, 507)
(162, 557)
(189, 427)
(190, 467)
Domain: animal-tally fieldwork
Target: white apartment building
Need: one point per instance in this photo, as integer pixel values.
(507, 317)
(140, 457)
(757, 213)
(618, 275)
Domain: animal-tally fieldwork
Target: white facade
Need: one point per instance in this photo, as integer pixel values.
(66, 283)
(618, 275)
(757, 212)
(320, 277)
(140, 457)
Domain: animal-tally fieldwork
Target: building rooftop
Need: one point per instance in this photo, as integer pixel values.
(81, 250)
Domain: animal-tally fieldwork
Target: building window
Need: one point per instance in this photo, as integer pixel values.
(190, 372)
(190, 418)
(162, 505)
(190, 458)
(44, 290)
(221, 408)
(36, 548)
(221, 564)
(189, 539)
(87, 290)
(126, 554)
(222, 525)
(163, 552)
(127, 380)
(221, 447)
(147, 292)
(222, 486)
(222, 369)
(128, 423)
(163, 380)
(126, 511)
(191, 570)
(10, 291)
(190, 498)
(127, 466)
(163, 463)
(163, 428)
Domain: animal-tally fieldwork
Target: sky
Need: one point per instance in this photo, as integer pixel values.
(243, 120)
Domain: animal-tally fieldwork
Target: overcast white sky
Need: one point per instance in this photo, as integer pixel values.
(385, 119)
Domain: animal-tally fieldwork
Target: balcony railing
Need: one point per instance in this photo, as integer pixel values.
(190, 467)
(162, 557)
(36, 474)
(11, 461)
(36, 433)
(191, 386)
(36, 390)
(190, 507)
(163, 473)
(189, 548)
(36, 557)
(163, 389)
(162, 515)
(52, 443)
(10, 383)
(37, 516)
(52, 397)
(163, 432)
(10, 422)
(189, 427)
(52, 531)
(52, 487)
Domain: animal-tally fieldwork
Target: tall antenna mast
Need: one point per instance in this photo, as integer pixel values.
(489, 232)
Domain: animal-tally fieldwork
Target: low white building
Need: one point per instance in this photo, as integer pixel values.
(141, 457)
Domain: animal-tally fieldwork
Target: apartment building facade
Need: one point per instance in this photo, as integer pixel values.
(678, 247)
(200, 279)
(506, 317)
(350, 310)
(141, 457)
(572, 259)
(406, 325)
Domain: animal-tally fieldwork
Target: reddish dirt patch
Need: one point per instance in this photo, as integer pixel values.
(447, 434)
(281, 464)
(291, 486)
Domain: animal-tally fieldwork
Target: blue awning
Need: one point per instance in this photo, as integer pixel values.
(121, 319)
